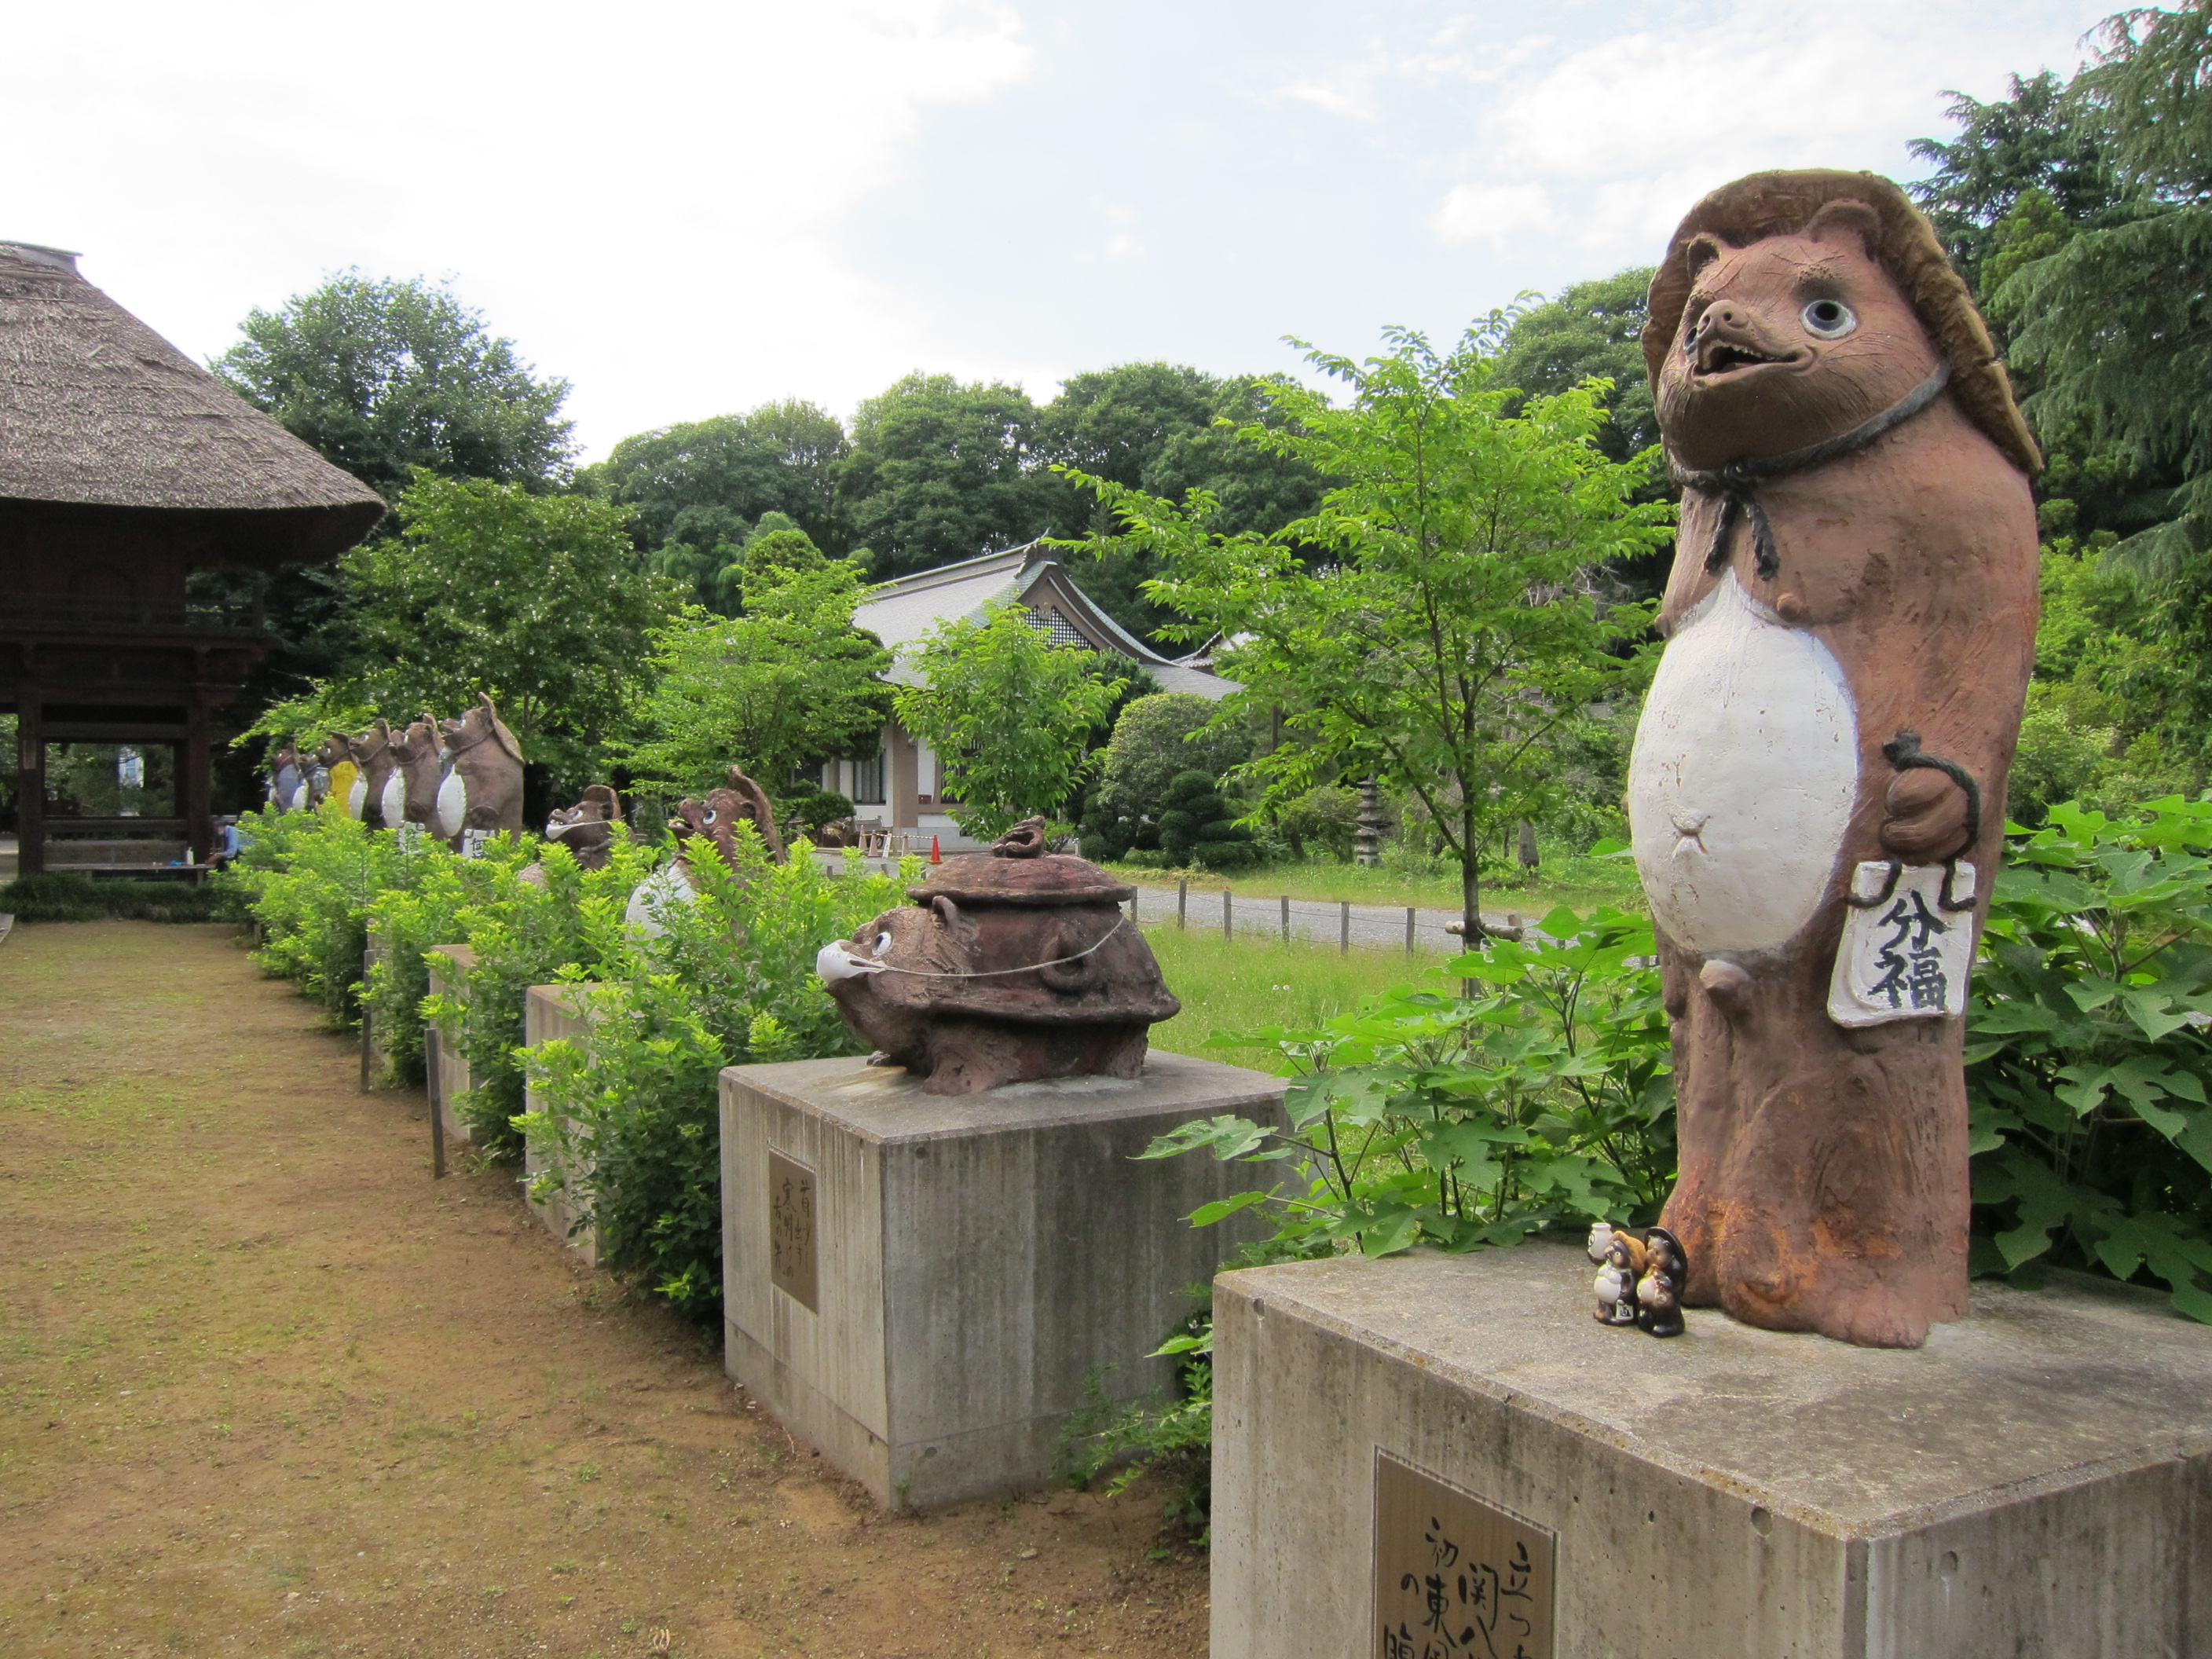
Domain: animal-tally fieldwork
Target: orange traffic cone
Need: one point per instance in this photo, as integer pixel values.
(935, 857)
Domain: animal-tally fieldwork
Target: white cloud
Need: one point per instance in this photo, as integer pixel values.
(1493, 212)
(665, 181)
(1629, 130)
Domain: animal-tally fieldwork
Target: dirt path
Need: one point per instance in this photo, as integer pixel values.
(263, 1390)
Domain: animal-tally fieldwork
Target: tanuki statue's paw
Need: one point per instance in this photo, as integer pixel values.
(1927, 816)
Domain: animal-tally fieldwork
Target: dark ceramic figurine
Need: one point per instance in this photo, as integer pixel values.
(1659, 1291)
(1640, 1277)
(1009, 966)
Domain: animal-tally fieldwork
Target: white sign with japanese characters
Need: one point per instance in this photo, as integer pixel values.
(1905, 953)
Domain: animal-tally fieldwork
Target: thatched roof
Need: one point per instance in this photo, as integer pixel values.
(96, 409)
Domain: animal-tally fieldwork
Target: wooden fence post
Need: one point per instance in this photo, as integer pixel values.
(1225, 932)
(1409, 930)
(1344, 927)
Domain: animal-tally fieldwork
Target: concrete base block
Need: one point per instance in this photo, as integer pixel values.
(555, 1010)
(449, 977)
(922, 1286)
(2036, 1483)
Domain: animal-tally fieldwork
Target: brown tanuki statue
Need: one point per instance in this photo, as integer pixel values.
(380, 796)
(588, 829)
(486, 776)
(1817, 791)
(417, 753)
(714, 823)
(288, 780)
(1009, 966)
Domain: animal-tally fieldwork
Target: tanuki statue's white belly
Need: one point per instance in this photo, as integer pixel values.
(1742, 779)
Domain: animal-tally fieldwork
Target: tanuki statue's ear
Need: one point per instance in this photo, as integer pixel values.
(1845, 221)
(1702, 249)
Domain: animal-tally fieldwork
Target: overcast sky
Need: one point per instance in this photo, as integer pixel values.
(691, 208)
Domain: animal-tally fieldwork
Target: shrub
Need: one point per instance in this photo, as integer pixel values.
(525, 934)
(308, 879)
(69, 896)
(1155, 739)
(2088, 1057)
(1196, 826)
(1453, 1122)
(636, 1098)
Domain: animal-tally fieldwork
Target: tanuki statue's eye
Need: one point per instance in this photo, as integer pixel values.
(1829, 319)
(883, 942)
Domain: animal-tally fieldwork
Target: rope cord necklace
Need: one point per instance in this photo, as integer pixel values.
(869, 965)
(1735, 482)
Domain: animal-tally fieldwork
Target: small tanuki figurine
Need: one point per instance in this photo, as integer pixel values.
(1659, 1290)
(1620, 1256)
(1639, 1278)
(1009, 966)
(418, 755)
(1816, 795)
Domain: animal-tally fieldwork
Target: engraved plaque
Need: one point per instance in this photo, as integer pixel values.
(791, 1229)
(1456, 1578)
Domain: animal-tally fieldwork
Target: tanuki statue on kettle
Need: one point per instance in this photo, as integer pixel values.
(1817, 791)
(1010, 966)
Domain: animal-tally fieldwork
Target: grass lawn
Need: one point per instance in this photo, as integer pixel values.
(1238, 985)
(1577, 881)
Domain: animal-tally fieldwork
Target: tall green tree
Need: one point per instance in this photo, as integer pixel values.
(705, 482)
(1591, 329)
(537, 601)
(2113, 327)
(384, 377)
(1008, 713)
(1164, 429)
(1451, 629)
(2033, 141)
(942, 471)
(787, 684)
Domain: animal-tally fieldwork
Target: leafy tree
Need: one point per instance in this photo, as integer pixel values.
(941, 471)
(2033, 141)
(787, 684)
(1451, 630)
(704, 483)
(1254, 489)
(386, 377)
(1155, 739)
(1115, 422)
(2113, 325)
(1591, 330)
(1197, 825)
(536, 601)
(1006, 711)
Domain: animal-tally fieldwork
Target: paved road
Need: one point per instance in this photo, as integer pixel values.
(1252, 913)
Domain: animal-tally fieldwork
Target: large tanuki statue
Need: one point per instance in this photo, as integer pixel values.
(1817, 791)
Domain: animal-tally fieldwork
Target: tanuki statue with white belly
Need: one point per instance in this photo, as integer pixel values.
(1850, 624)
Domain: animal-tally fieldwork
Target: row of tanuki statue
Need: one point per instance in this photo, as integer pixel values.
(461, 782)
(1010, 965)
(456, 779)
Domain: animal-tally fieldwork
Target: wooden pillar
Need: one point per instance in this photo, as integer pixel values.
(30, 782)
(905, 779)
(192, 784)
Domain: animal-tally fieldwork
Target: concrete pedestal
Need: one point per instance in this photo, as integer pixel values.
(2035, 1483)
(449, 977)
(920, 1286)
(556, 1011)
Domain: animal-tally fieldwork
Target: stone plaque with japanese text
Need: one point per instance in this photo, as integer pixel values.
(1456, 1578)
(791, 1229)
